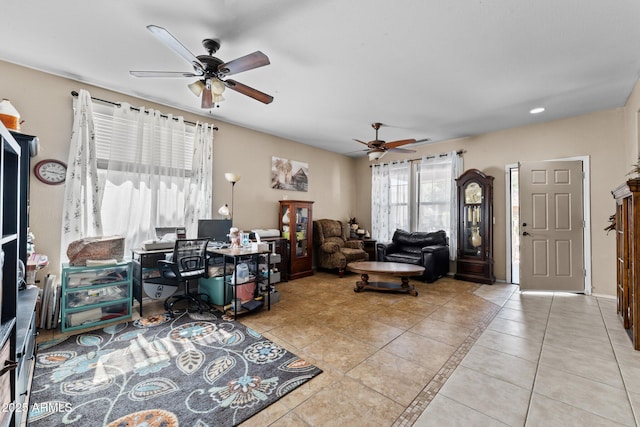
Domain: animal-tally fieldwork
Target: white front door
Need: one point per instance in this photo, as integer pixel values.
(551, 226)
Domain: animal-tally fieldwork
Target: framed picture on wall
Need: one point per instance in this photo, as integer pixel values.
(289, 174)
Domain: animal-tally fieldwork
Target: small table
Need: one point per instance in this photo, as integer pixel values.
(396, 269)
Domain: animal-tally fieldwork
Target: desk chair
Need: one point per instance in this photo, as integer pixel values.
(189, 262)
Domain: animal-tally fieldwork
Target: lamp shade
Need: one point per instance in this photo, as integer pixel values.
(217, 87)
(376, 155)
(224, 210)
(196, 87)
(232, 177)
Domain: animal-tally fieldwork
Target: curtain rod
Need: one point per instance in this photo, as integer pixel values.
(117, 104)
(459, 153)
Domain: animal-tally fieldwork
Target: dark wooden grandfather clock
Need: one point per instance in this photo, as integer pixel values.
(475, 227)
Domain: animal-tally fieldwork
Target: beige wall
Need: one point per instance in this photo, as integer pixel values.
(599, 136)
(45, 104)
(632, 125)
(340, 186)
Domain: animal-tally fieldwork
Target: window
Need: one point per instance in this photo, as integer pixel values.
(144, 165)
(433, 201)
(390, 202)
(431, 181)
(399, 197)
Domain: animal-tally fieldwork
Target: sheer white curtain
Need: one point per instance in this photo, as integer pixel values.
(82, 204)
(198, 199)
(437, 198)
(389, 199)
(144, 177)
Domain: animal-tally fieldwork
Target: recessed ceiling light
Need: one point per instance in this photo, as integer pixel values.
(537, 110)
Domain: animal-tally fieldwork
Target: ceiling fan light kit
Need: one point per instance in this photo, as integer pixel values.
(376, 155)
(212, 72)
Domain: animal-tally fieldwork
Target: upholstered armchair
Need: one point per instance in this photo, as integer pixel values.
(333, 249)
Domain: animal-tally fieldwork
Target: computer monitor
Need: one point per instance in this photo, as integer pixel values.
(214, 229)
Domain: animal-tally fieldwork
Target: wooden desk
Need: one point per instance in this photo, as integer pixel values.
(397, 269)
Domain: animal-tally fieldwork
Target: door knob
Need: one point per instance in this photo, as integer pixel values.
(525, 234)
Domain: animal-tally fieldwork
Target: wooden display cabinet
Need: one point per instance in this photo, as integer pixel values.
(296, 221)
(627, 197)
(475, 227)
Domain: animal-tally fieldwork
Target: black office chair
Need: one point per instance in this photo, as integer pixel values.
(189, 262)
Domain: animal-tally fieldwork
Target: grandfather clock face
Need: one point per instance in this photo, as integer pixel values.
(473, 193)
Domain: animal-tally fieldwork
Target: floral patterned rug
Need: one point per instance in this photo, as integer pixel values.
(194, 370)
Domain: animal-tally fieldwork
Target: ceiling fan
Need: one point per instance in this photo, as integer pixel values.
(211, 71)
(378, 148)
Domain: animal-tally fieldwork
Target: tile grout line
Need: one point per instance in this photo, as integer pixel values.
(429, 392)
(535, 376)
(615, 356)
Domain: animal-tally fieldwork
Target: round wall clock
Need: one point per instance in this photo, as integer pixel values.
(50, 171)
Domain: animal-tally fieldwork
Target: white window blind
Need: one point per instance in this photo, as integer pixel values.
(113, 147)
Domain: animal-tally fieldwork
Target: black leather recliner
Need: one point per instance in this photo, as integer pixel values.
(429, 250)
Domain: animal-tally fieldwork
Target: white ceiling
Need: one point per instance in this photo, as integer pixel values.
(437, 69)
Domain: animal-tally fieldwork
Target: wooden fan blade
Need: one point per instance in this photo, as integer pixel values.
(244, 63)
(361, 142)
(249, 91)
(394, 144)
(163, 74)
(174, 44)
(401, 150)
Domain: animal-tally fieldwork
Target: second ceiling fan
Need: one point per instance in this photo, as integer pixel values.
(211, 71)
(378, 148)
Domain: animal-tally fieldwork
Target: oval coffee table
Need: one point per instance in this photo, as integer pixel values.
(396, 269)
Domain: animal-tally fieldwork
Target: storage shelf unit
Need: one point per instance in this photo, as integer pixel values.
(10, 186)
(93, 296)
(26, 333)
(28, 147)
(234, 257)
(279, 256)
(17, 313)
(627, 197)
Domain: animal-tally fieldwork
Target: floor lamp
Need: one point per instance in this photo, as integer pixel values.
(232, 178)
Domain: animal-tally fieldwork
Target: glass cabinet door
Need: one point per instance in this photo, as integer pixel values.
(302, 217)
(296, 219)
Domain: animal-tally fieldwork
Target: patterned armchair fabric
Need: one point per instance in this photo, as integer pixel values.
(333, 250)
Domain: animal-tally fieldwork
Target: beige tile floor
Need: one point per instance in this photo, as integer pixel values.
(458, 354)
